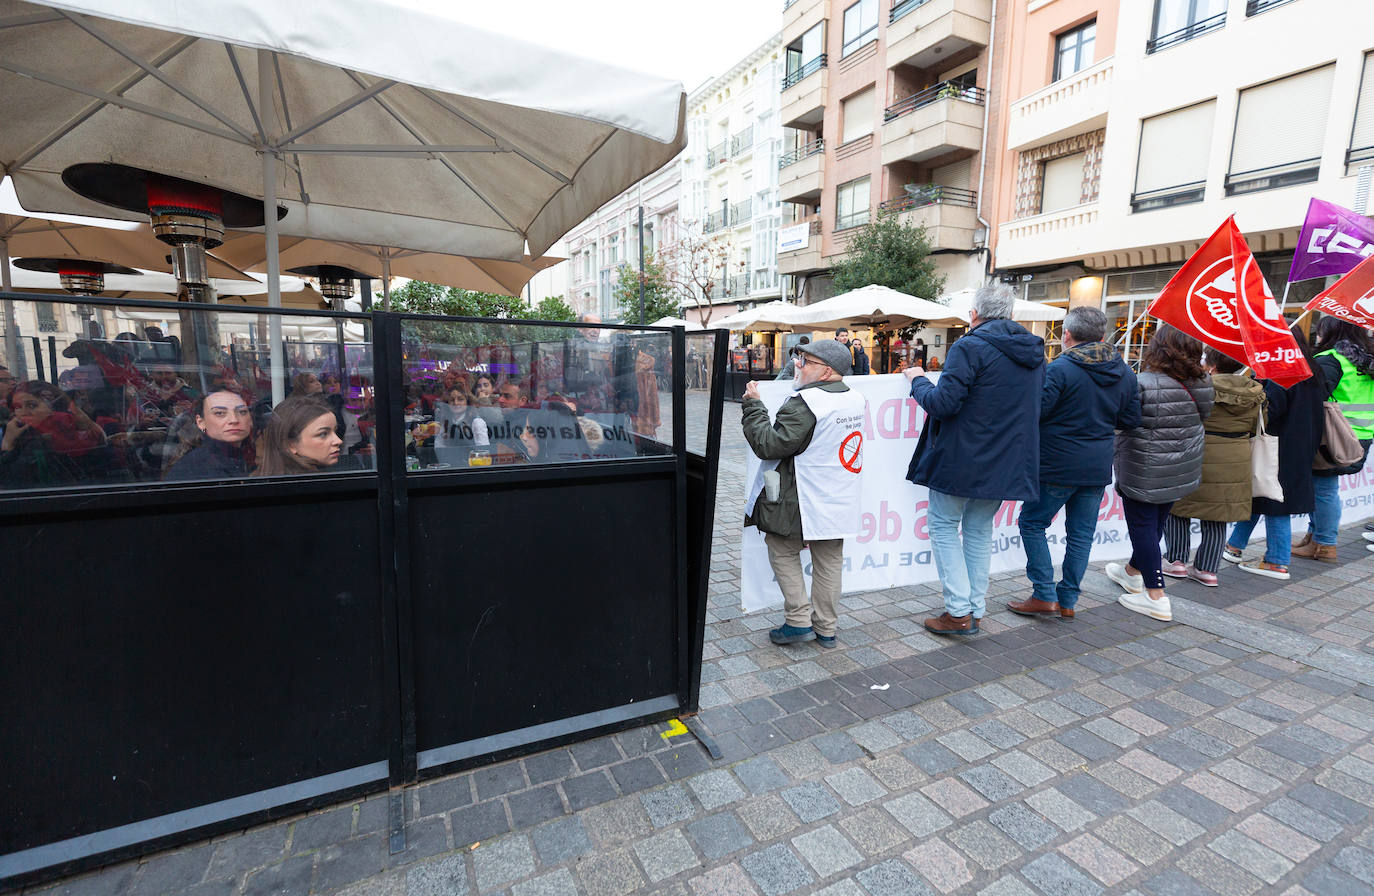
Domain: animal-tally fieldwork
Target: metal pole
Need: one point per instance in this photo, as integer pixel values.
(641, 265)
(366, 284)
(269, 203)
(386, 283)
(1283, 303)
(13, 356)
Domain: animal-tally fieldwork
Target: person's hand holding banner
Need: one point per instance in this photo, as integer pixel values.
(1351, 297)
(1220, 298)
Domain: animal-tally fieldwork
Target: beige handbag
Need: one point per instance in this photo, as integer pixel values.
(1264, 463)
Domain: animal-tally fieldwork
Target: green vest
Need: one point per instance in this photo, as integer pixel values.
(1355, 394)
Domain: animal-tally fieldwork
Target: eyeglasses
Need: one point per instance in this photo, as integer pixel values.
(801, 359)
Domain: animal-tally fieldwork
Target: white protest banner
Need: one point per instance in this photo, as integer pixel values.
(893, 548)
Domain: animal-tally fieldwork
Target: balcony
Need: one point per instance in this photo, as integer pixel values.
(1074, 105)
(1182, 35)
(950, 215)
(803, 94)
(742, 142)
(715, 221)
(801, 173)
(1255, 7)
(927, 33)
(1042, 239)
(716, 154)
(742, 213)
(803, 261)
(943, 120)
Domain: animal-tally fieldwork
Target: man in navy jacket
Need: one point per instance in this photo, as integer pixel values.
(980, 446)
(1089, 394)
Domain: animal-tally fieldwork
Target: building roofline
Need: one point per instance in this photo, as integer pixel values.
(711, 85)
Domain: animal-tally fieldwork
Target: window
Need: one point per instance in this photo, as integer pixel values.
(851, 204)
(1280, 128)
(860, 25)
(1177, 21)
(1172, 168)
(47, 317)
(1073, 50)
(648, 237)
(587, 264)
(805, 55)
(1063, 183)
(857, 115)
(613, 250)
(1362, 137)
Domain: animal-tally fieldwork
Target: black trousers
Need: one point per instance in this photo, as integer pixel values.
(1145, 524)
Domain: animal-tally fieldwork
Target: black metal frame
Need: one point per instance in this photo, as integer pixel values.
(1168, 197)
(806, 150)
(808, 68)
(1187, 33)
(1303, 171)
(902, 8)
(936, 194)
(945, 90)
(391, 487)
(1255, 7)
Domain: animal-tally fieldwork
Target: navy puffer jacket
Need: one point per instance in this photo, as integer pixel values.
(982, 435)
(1090, 393)
(1160, 460)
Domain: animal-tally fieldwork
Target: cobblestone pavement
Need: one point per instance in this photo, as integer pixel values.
(1227, 753)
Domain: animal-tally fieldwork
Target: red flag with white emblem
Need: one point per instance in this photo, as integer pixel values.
(1201, 300)
(1351, 297)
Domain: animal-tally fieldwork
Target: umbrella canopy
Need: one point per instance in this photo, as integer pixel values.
(676, 322)
(772, 316)
(872, 306)
(366, 121)
(1025, 311)
(37, 237)
(295, 292)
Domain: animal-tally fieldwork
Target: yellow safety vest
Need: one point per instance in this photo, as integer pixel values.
(1355, 394)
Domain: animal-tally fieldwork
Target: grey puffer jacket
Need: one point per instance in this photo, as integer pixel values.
(1160, 460)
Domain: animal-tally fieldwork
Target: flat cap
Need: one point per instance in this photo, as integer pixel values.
(830, 353)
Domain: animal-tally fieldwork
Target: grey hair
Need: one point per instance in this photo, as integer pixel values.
(1085, 324)
(994, 301)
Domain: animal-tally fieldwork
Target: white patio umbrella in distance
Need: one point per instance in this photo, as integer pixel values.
(772, 316)
(677, 322)
(872, 306)
(1024, 311)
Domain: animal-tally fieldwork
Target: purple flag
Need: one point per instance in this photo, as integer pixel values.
(1333, 241)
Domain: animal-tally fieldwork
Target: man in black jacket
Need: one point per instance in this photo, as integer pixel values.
(1089, 394)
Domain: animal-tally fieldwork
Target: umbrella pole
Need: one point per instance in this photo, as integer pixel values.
(386, 283)
(269, 202)
(12, 355)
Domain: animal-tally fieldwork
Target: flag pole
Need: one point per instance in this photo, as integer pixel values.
(1283, 304)
(1131, 326)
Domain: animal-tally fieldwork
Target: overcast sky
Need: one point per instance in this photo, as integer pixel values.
(688, 41)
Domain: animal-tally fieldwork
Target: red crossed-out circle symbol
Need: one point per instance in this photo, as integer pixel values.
(851, 452)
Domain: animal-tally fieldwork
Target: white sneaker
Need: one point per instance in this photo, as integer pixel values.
(1367, 536)
(1117, 573)
(1142, 603)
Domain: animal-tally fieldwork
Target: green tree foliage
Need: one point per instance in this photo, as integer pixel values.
(419, 297)
(893, 253)
(659, 298)
(554, 308)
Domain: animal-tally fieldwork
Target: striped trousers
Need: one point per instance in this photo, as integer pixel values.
(1178, 541)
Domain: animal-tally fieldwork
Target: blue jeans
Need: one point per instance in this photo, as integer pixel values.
(1080, 504)
(962, 563)
(1278, 537)
(1326, 513)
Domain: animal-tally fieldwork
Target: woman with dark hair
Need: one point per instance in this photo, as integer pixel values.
(1159, 461)
(1296, 417)
(1345, 356)
(45, 438)
(1224, 495)
(300, 438)
(223, 449)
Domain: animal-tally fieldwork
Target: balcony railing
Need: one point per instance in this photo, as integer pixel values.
(1197, 29)
(1255, 7)
(715, 221)
(742, 141)
(787, 4)
(801, 152)
(1168, 197)
(1304, 171)
(904, 7)
(739, 285)
(716, 154)
(930, 194)
(945, 90)
(1357, 154)
(741, 212)
(800, 74)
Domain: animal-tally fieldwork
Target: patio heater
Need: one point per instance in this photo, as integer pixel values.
(79, 276)
(336, 281)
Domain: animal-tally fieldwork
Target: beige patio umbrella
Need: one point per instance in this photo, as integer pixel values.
(772, 316)
(873, 306)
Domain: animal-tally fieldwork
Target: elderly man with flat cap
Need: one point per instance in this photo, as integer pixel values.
(814, 446)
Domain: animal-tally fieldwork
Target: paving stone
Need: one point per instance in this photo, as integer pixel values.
(254, 849)
(1176, 883)
(800, 760)
(970, 747)
(617, 821)
(535, 806)
(892, 878)
(982, 842)
(874, 736)
(635, 775)
(952, 796)
(610, 874)
(761, 775)
(1022, 825)
(999, 734)
(1304, 819)
(1087, 744)
(550, 766)
(1011, 886)
(932, 758)
(838, 747)
(855, 786)
(345, 863)
(940, 864)
(1059, 809)
(776, 870)
(667, 805)
(811, 801)
(561, 840)
(797, 727)
(1053, 875)
(446, 876)
(1023, 768)
(1219, 874)
(767, 817)
(1098, 859)
(1092, 794)
(684, 760)
(1329, 803)
(1254, 857)
(477, 823)
(826, 850)
(1356, 862)
(559, 883)
(1193, 805)
(1278, 837)
(719, 835)
(282, 879)
(917, 814)
(665, 854)
(873, 831)
(585, 791)
(1172, 826)
(1327, 881)
(992, 783)
(501, 861)
(727, 880)
(498, 780)
(716, 788)
(908, 725)
(1132, 838)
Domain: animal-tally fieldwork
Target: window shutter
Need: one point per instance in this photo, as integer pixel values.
(1063, 187)
(858, 116)
(1363, 137)
(1174, 147)
(956, 174)
(1282, 122)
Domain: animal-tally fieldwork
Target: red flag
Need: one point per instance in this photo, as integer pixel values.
(1351, 297)
(1201, 300)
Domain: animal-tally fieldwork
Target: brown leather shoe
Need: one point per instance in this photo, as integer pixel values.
(1314, 551)
(945, 624)
(1032, 606)
(1304, 541)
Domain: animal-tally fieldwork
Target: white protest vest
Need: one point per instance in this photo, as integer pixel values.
(829, 478)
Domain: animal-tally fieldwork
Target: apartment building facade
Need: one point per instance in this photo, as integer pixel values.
(886, 107)
(1134, 129)
(730, 181)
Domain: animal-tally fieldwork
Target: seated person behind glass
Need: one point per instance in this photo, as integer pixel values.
(223, 449)
(300, 438)
(45, 437)
(459, 423)
(306, 383)
(512, 396)
(524, 442)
